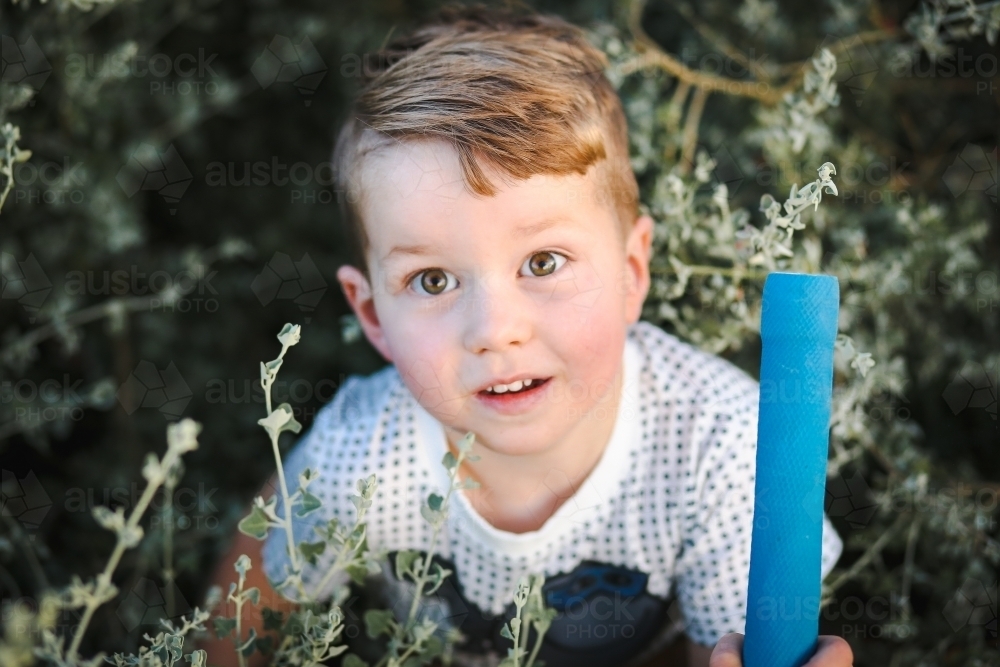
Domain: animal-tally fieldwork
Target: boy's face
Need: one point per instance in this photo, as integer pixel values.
(535, 283)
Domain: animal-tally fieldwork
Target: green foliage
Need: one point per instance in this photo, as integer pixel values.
(531, 612)
(166, 649)
(839, 85)
(900, 483)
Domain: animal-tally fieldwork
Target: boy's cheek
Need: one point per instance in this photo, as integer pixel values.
(429, 372)
(579, 285)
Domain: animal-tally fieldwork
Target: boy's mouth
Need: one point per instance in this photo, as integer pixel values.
(516, 397)
(518, 387)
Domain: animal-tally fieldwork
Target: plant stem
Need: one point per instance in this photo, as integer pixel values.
(109, 308)
(104, 579)
(286, 498)
(168, 543)
(406, 653)
(40, 579)
(517, 638)
(526, 625)
(426, 562)
(239, 621)
(963, 13)
(911, 547)
(340, 557)
(287, 505)
(869, 554)
(534, 651)
(7, 169)
(690, 141)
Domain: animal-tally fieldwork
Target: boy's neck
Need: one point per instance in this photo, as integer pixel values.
(518, 494)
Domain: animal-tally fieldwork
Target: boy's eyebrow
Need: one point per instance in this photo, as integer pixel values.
(540, 226)
(408, 250)
(520, 232)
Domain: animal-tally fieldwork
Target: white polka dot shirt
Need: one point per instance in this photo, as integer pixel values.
(665, 516)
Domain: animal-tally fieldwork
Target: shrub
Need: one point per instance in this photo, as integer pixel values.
(718, 137)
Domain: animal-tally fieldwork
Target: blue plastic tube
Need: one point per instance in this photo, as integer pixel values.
(798, 331)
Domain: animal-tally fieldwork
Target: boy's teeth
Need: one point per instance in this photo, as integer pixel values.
(513, 386)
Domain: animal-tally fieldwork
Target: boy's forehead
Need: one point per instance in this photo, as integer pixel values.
(421, 181)
(402, 169)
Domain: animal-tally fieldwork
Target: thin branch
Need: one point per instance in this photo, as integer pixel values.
(911, 548)
(652, 55)
(845, 44)
(869, 554)
(7, 167)
(104, 590)
(720, 42)
(117, 306)
(966, 14)
(691, 128)
(8, 579)
(41, 580)
(680, 96)
(169, 575)
(672, 125)
(98, 311)
(887, 464)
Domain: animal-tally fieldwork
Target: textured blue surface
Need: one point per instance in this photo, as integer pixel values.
(798, 330)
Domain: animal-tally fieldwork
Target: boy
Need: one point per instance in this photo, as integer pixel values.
(500, 265)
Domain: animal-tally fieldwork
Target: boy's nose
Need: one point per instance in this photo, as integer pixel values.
(496, 319)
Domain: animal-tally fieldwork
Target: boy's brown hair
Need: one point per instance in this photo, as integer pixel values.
(524, 93)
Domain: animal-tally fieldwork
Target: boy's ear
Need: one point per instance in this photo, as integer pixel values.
(638, 250)
(359, 294)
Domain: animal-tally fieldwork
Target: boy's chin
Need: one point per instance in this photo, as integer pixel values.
(526, 440)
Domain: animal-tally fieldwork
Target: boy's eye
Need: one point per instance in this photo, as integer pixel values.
(438, 281)
(543, 263)
(434, 281)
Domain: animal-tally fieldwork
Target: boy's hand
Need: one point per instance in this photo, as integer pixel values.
(832, 651)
